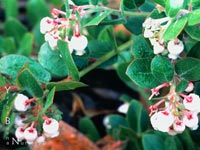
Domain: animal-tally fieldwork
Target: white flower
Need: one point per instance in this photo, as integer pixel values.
(19, 120)
(172, 56)
(162, 120)
(40, 139)
(50, 127)
(176, 3)
(178, 126)
(123, 108)
(153, 41)
(30, 134)
(192, 102)
(158, 48)
(191, 120)
(175, 47)
(19, 133)
(20, 102)
(51, 40)
(148, 33)
(190, 87)
(46, 25)
(106, 122)
(79, 43)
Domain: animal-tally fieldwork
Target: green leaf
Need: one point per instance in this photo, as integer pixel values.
(127, 133)
(141, 49)
(52, 61)
(33, 14)
(172, 7)
(160, 2)
(93, 2)
(7, 109)
(81, 2)
(187, 140)
(15, 29)
(99, 18)
(181, 86)
(195, 51)
(152, 142)
(134, 24)
(27, 81)
(162, 68)
(11, 8)
(170, 143)
(65, 85)
(175, 28)
(11, 64)
(88, 128)
(25, 46)
(188, 68)
(193, 32)
(131, 4)
(194, 18)
(68, 60)
(137, 117)
(8, 45)
(140, 72)
(49, 100)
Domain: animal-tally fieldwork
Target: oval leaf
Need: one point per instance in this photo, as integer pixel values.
(173, 7)
(141, 49)
(137, 117)
(162, 68)
(140, 72)
(188, 68)
(152, 142)
(27, 81)
(51, 60)
(193, 32)
(175, 28)
(68, 60)
(11, 64)
(65, 85)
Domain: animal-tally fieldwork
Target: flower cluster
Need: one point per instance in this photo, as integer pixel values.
(26, 130)
(176, 111)
(154, 29)
(59, 28)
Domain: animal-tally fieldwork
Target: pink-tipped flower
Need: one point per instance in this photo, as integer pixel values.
(155, 91)
(162, 120)
(191, 102)
(40, 140)
(175, 47)
(190, 87)
(158, 48)
(20, 102)
(178, 126)
(51, 127)
(79, 43)
(19, 133)
(46, 25)
(190, 119)
(19, 120)
(30, 134)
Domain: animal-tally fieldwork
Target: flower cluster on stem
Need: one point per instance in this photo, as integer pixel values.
(175, 111)
(59, 28)
(26, 130)
(154, 30)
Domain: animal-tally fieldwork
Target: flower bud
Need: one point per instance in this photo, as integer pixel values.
(191, 120)
(19, 133)
(175, 47)
(190, 87)
(19, 120)
(50, 127)
(192, 102)
(20, 102)
(30, 134)
(178, 126)
(46, 25)
(158, 48)
(79, 43)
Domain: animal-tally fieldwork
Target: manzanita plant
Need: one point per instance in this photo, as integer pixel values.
(159, 59)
